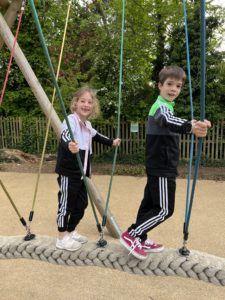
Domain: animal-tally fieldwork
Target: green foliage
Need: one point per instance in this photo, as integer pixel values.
(130, 170)
(212, 163)
(132, 159)
(176, 54)
(32, 140)
(154, 37)
(29, 136)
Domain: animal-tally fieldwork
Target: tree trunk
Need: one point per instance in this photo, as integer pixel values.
(11, 14)
(4, 3)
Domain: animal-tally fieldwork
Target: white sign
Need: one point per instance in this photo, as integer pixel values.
(134, 127)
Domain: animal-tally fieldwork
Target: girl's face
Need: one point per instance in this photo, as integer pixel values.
(170, 89)
(84, 106)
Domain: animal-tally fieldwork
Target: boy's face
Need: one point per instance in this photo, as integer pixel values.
(170, 89)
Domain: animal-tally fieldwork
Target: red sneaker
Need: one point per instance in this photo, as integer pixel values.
(133, 245)
(150, 246)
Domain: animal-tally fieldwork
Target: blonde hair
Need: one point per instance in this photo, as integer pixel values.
(78, 94)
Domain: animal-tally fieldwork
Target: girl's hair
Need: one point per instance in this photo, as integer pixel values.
(78, 94)
(173, 72)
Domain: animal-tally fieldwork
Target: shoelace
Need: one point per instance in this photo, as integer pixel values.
(76, 235)
(149, 242)
(135, 243)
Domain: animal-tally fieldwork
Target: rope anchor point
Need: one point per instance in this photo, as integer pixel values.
(184, 250)
(30, 236)
(102, 242)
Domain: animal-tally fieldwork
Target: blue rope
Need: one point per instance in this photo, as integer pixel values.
(192, 112)
(203, 59)
(188, 59)
(202, 114)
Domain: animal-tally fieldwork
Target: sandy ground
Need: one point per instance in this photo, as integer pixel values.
(27, 279)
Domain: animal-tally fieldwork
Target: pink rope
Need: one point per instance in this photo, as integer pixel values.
(12, 53)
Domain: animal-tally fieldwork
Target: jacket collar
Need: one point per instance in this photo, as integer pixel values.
(169, 104)
(86, 124)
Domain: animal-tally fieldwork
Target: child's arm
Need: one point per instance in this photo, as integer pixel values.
(165, 118)
(102, 139)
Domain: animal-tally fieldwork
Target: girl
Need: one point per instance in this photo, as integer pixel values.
(72, 195)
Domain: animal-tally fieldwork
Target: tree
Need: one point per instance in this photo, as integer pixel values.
(153, 37)
(176, 54)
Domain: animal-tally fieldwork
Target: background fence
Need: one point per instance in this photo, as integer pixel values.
(28, 134)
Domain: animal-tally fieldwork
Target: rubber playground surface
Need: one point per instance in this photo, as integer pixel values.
(23, 279)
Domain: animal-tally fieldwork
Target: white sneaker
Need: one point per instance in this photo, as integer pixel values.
(78, 238)
(67, 243)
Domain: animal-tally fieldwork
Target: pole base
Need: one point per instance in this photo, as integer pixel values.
(184, 251)
(101, 243)
(29, 237)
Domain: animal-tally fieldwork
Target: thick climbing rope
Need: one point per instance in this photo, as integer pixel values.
(118, 114)
(49, 116)
(58, 92)
(199, 265)
(184, 250)
(13, 50)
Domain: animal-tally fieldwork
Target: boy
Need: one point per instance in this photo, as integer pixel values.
(162, 157)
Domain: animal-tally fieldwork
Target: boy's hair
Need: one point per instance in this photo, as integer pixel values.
(172, 72)
(78, 94)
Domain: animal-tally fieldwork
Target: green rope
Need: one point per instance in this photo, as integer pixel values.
(118, 115)
(50, 114)
(47, 56)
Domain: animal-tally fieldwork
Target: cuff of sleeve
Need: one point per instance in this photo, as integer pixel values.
(189, 127)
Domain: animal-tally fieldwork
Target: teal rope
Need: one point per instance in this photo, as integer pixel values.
(191, 150)
(118, 114)
(202, 104)
(203, 60)
(188, 59)
(47, 56)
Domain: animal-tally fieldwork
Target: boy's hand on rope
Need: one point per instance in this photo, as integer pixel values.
(73, 147)
(116, 142)
(200, 128)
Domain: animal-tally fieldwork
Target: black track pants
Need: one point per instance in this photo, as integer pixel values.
(156, 206)
(72, 202)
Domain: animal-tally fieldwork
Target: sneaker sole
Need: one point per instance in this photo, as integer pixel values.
(68, 249)
(83, 242)
(154, 250)
(128, 248)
